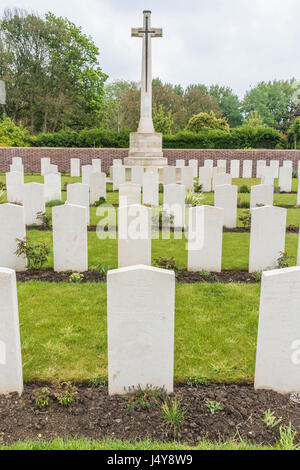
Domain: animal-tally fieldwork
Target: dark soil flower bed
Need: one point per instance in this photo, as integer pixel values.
(95, 415)
(48, 275)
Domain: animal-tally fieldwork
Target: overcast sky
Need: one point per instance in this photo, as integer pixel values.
(236, 43)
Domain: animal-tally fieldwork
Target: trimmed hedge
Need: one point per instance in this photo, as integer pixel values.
(238, 138)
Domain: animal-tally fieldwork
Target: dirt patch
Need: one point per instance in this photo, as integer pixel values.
(95, 415)
(225, 277)
(186, 277)
(48, 275)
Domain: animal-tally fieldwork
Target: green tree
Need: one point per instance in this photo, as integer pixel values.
(51, 71)
(293, 133)
(114, 114)
(163, 122)
(12, 135)
(229, 104)
(273, 101)
(204, 120)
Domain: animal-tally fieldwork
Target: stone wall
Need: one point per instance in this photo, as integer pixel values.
(61, 156)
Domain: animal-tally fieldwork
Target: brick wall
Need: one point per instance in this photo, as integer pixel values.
(61, 156)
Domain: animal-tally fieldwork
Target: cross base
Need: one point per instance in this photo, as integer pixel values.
(145, 150)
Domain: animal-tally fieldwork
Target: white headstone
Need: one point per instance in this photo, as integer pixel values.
(117, 161)
(118, 176)
(75, 167)
(33, 202)
(220, 179)
(174, 203)
(45, 162)
(235, 168)
(298, 192)
(140, 328)
(52, 185)
(78, 194)
(11, 376)
(12, 223)
(267, 237)
(150, 189)
(267, 175)
(14, 186)
(205, 178)
(274, 164)
(285, 179)
(16, 168)
(205, 238)
(260, 164)
(278, 341)
(180, 163)
(86, 171)
(288, 163)
(134, 235)
(169, 175)
(129, 193)
(226, 198)
(96, 164)
(262, 194)
(221, 164)
(17, 161)
(69, 238)
(137, 173)
(247, 169)
(208, 163)
(97, 186)
(194, 164)
(51, 169)
(187, 177)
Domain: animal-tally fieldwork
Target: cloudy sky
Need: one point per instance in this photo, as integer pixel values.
(236, 43)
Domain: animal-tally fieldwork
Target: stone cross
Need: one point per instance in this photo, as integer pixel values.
(146, 32)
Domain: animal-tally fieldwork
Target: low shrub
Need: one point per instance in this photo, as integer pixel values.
(36, 253)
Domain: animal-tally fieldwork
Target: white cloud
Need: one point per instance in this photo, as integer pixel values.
(232, 42)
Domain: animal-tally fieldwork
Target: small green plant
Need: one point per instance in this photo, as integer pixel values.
(100, 201)
(141, 399)
(102, 269)
(215, 278)
(2, 194)
(42, 398)
(205, 273)
(167, 263)
(283, 260)
(36, 253)
(246, 219)
(295, 174)
(97, 382)
(213, 406)
(173, 414)
(193, 199)
(54, 203)
(67, 394)
(270, 419)
(257, 276)
(197, 381)
(45, 219)
(287, 438)
(76, 278)
(244, 189)
(197, 188)
(161, 188)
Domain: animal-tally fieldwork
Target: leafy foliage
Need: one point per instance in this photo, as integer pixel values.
(36, 253)
(204, 120)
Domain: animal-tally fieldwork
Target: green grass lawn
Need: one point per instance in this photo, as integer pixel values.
(235, 254)
(110, 444)
(63, 331)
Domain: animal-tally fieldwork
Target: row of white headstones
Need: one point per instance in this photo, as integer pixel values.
(204, 231)
(140, 329)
